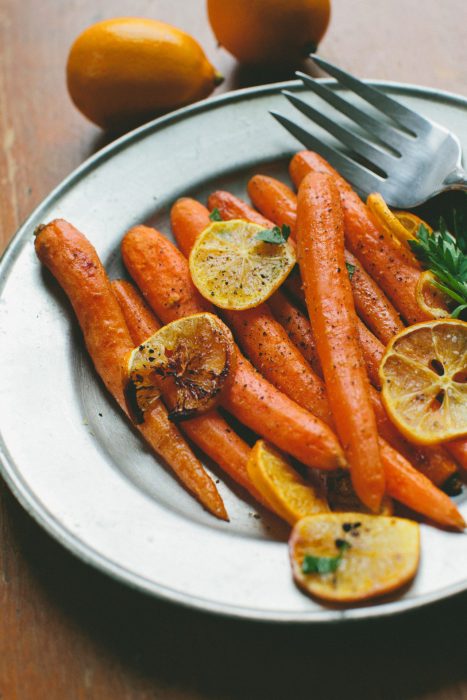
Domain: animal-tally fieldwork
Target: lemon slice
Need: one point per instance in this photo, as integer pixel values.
(424, 380)
(394, 225)
(234, 269)
(429, 298)
(345, 557)
(411, 223)
(281, 486)
(188, 362)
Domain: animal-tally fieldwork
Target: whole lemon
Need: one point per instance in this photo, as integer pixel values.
(124, 71)
(269, 31)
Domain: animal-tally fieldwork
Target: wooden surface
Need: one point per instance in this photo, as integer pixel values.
(66, 631)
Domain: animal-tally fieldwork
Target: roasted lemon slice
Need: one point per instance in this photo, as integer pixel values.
(424, 379)
(235, 268)
(400, 226)
(281, 486)
(188, 361)
(429, 298)
(347, 557)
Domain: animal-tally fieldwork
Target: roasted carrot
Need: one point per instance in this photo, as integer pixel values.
(210, 431)
(188, 219)
(320, 247)
(277, 201)
(160, 270)
(231, 207)
(431, 461)
(381, 259)
(74, 263)
(415, 490)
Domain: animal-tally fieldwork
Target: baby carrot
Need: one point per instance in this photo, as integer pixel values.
(158, 267)
(210, 431)
(377, 253)
(320, 238)
(231, 207)
(277, 201)
(73, 261)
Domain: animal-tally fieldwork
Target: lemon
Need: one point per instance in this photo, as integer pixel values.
(429, 298)
(281, 486)
(269, 31)
(424, 381)
(188, 361)
(346, 557)
(234, 269)
(124, 71)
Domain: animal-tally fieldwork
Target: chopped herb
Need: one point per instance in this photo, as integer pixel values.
(325, 565)
(274, 235)
(215, 215)
(446, 257)
(350, 269)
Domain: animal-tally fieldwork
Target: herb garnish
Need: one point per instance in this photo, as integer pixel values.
(274, 235)
(215, 215)
(445, 256)
(350, 269)
(324, 565)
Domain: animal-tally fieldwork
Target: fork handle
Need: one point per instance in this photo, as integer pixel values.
(457, 180)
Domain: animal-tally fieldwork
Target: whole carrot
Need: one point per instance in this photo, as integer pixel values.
(277, 201)
(377, 253)
(231, 207)
(157, 268)
(71, 258)
(320, 239)
(210, 431)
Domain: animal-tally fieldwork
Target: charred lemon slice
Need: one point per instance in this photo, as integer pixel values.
(424, 380)
(411, 223)
(188, 362)
(281, 486)
(234, 268)
(347, 557)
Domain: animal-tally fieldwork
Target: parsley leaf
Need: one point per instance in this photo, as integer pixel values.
(274, 235)
(324, 565)
(443, 254)
(350, 269)
(215, 215)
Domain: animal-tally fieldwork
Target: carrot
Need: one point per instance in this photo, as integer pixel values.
(416, 491)
(320, 238)
(431, 461)
(74, 262)
(277, 201)
(377, 253)
(210, 431)
(158, 268)
(373, 352)
(231, 207)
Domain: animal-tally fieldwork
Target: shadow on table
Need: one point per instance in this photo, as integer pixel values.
(199, 655)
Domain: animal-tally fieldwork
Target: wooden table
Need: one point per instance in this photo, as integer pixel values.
(66, 631)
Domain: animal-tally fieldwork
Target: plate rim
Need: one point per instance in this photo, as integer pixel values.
(86, 553)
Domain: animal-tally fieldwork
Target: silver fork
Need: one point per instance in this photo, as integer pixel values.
(412, 158)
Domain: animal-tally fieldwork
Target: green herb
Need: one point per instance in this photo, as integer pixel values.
(350, 269)
(443, 254)
(274, 235)
(325, 565)
(215, 215)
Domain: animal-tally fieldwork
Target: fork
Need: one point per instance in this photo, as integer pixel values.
(409, 159)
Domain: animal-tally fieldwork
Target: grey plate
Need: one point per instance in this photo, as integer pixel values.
(86, 477)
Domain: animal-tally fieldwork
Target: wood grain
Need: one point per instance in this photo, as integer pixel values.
(66, 631)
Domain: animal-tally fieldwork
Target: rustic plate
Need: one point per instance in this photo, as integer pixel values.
(67, 453)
